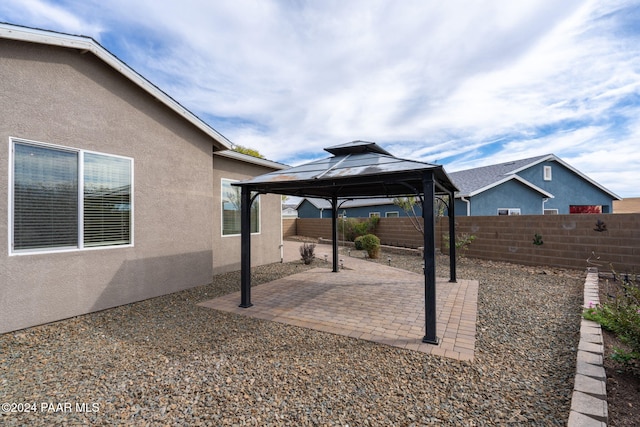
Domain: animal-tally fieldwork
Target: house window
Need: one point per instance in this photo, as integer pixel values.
(392, 214)
(64, 198)
(509, 211)
(551, 211)
(374, 214)
(231, 212)
(547, 173)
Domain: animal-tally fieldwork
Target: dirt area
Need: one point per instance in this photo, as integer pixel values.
(623, 382)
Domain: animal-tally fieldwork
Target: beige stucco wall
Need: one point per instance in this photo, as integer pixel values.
(266, 245)
(61, 96)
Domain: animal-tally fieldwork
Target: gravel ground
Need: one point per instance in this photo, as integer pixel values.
(166, 361)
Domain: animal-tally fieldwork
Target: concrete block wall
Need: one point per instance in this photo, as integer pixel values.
(289, 227)
(568, 240)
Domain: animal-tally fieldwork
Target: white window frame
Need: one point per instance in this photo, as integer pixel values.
(547, 173)
(80, 246)
(396, 214)
(222, 197)
(551, 212)
(510, 211)
(374, 214)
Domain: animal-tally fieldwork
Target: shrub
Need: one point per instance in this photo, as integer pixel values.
(351, 228)
(358, 243)
(463, 240)
(307, 252)
(371, 244)
(620, 314)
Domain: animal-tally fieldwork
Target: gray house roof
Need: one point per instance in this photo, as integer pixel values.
(474, 181)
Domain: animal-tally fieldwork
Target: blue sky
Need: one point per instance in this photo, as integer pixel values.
(458, 83)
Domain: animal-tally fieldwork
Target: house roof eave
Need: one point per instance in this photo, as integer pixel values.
(88, 44)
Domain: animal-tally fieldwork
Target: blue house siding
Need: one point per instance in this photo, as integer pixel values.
(567, 187)
(307, 209)
(511, 194)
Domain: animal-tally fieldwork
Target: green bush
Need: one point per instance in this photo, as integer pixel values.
(358, 243)
(620, 314)
(463, 240)
(371, 244)
(351, 228)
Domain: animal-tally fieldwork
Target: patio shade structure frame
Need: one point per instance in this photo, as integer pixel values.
(358, 170)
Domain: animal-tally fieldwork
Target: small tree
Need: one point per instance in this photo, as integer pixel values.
(409, 205)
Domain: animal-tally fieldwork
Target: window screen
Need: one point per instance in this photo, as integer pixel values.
(47, 201)
(107, 204)
(45, 197)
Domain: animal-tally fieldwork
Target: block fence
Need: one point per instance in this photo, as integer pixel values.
(569, 241)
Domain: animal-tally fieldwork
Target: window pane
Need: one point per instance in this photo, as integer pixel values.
(107, 200)
(45, 197)
(231, 212)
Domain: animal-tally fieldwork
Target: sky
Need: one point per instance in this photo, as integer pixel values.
(458, 83)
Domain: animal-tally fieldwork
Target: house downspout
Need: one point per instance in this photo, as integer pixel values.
(468, 202)
(544, 200)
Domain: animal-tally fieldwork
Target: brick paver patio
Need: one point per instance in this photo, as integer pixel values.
(369, 301)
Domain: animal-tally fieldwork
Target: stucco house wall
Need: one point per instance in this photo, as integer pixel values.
(510, 194)
(72, 98)
(567, 187)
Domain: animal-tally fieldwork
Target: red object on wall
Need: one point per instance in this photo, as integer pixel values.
(584, 209)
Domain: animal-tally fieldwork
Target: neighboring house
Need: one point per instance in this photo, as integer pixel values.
(628, 205)
(358, 208)
(289, 211)
(534, 186)
(113, 192)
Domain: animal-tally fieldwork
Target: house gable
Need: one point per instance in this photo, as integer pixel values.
(85, 45)
(68, 97)
(568, 186)
(562, 187)
(510, 194)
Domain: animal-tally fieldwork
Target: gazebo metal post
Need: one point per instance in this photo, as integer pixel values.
(245, 247)
(334, 230)
(428, 190)
(452, 239)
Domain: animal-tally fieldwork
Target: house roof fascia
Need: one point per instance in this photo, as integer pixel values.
(509, 178)
(88, 44)
(251, 159)
(553, 157)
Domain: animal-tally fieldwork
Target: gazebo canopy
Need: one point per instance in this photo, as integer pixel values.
(358, 169)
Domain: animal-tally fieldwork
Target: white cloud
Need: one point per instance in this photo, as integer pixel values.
(463, 82)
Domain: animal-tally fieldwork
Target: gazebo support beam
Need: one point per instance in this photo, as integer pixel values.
(334, 231)
(245, 248)
(428, 191)
(452, 239)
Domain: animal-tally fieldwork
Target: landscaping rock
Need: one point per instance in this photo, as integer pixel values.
(166, 361)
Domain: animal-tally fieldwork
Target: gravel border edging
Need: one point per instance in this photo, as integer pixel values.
(589, 399)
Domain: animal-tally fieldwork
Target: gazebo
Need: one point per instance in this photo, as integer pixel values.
(358, 170)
